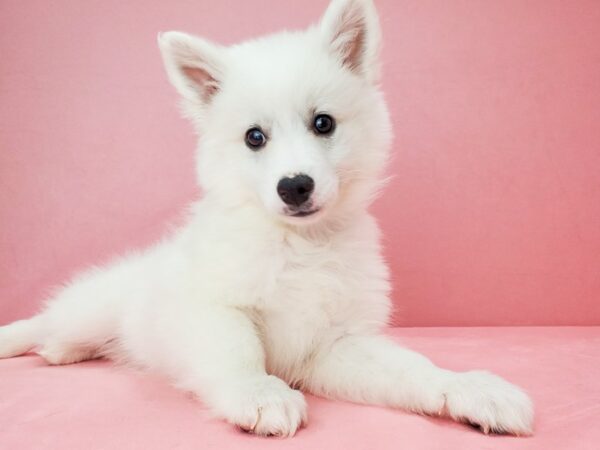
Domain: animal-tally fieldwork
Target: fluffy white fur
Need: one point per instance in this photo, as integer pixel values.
(246, 304)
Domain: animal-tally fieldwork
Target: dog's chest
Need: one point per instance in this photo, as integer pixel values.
(306, 282)
(311, 301)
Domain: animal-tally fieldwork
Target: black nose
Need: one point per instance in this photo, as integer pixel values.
(295, 190)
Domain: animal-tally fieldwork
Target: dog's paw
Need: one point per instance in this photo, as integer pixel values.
(268, 407)
(490, 403)
(60, 354)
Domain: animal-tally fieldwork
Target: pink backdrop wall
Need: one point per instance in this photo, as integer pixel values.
(493, 216)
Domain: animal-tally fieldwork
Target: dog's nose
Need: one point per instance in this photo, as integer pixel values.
(295, 190)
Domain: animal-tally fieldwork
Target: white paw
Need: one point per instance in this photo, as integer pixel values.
(59, 354)
(267, 407)
(489, 402)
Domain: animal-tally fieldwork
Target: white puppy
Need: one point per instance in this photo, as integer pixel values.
(277, 279)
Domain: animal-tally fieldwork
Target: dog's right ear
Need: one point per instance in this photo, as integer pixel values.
(193, 65)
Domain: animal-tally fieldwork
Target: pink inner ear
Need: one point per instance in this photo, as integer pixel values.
(202, 80)
(351, 42)
(353, 50)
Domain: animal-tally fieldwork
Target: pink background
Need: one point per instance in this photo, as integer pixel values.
(493, 216)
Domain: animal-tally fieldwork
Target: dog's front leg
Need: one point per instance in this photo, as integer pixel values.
(374, 370)
(218, 355)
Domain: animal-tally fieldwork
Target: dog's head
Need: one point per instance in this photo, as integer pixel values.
(293, 122)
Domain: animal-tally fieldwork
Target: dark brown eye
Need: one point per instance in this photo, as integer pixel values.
(323, 124)
(255, 139)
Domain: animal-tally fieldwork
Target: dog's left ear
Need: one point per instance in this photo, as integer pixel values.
(351, 30)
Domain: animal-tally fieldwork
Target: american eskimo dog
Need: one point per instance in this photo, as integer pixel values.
(276, 285)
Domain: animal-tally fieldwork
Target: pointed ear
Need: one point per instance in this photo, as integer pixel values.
(194, 65)
(352, 32)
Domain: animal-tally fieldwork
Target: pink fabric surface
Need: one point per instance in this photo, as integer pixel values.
(94, 405)
(493, 212)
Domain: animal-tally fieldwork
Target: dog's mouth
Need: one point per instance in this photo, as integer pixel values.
(307, 213)
(303, 213)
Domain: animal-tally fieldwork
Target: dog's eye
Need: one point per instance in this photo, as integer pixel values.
(255, 138)
(323, 124)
